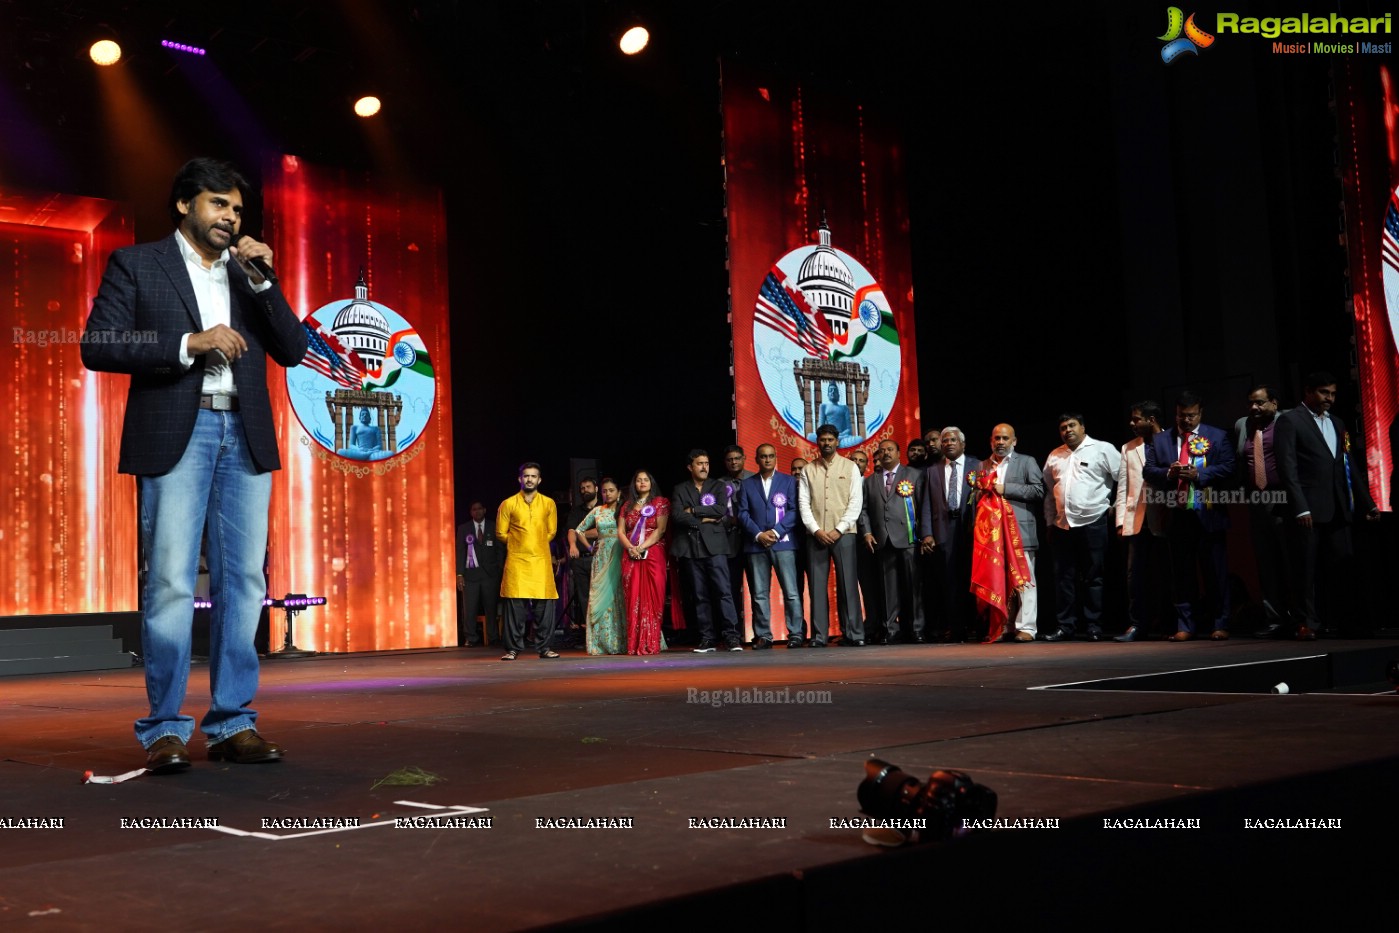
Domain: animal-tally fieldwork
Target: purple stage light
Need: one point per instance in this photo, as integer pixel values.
(181, 47)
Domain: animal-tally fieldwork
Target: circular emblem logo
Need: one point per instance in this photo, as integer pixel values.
(779, 500)
(825, 344)
(648, 510)
(365, 390)
(870, 315)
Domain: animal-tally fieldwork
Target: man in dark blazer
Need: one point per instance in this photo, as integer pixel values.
(480, 563)
(192, 318)
(1019, 480)
(1189, 464)
(889, 531)
(1326, 487)
(767, 513)
(945, 528)
(701, 543)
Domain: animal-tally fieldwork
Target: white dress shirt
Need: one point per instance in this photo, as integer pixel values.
(1077, 483)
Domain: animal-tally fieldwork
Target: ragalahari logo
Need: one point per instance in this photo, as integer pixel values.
(1177, 44)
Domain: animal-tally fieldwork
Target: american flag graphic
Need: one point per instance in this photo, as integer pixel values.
(1389, 240)
(787, 312)
(331, 358)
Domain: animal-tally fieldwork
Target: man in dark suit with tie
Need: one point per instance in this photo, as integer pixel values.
(192, 318)
(767, 513)
(480, 563)
(701, 544)
(1189, 463)
(889, 529)
(1326, 487)
(945, 529)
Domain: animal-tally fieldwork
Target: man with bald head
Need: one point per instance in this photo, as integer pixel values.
(1018, 478)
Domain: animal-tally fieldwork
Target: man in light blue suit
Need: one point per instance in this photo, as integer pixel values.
(767, 511)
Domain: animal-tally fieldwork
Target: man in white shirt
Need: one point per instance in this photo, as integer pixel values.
(1078, 484)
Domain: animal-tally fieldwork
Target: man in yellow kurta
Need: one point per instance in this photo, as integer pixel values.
(526, 522)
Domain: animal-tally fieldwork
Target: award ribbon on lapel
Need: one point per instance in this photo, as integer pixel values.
(640, 533)
(905, 489)
(779, 503)
(470, 551)
(1199, 447)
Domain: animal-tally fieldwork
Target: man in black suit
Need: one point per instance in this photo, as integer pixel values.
(732, 480)
(480, 563)
(945, 527)
(889, 527)
(192, 318)
(701, 544)
(1326, 488)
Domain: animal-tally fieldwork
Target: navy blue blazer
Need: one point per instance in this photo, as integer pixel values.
(1217, 473)
(934, 519)
(144, 306)
(757, 514)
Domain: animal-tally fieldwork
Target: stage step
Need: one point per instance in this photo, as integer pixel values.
(63, 648)
(1359, 669)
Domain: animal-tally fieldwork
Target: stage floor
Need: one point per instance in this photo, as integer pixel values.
(653, 743)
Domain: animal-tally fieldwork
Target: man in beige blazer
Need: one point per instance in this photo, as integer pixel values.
(1139, 520)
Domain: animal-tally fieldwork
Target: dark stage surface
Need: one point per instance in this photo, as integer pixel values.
(620, 738)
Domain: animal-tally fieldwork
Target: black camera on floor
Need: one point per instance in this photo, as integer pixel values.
(931, 812)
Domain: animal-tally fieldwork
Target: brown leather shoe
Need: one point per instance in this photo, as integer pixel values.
(1024, 636)
(167, 755)
(245, 748)
(1219, 634)
(1180, 636)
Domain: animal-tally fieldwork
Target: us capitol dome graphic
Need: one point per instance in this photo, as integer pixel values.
(363, 329)
(828, 285)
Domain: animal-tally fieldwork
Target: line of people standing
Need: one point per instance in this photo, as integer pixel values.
(945, 548)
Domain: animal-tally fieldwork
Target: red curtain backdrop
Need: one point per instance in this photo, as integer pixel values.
(792, 157)
(1368, 114)
(375, 538)
(68, 531)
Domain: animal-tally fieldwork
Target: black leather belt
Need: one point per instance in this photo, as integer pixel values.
(219, 402)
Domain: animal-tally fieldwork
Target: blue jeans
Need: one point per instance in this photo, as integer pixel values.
(215, 479)
(761, 565)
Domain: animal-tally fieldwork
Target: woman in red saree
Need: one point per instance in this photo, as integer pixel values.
(641, 533)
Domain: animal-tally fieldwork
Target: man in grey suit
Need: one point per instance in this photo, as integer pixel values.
(946, 532)
(1019, 480)
(192, 318)
(889, 528)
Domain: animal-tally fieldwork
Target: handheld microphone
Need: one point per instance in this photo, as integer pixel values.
(263, 269)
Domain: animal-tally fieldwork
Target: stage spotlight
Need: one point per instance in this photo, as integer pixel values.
(181, 47)
(105, 52)
(367, 106)
(634, 40)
